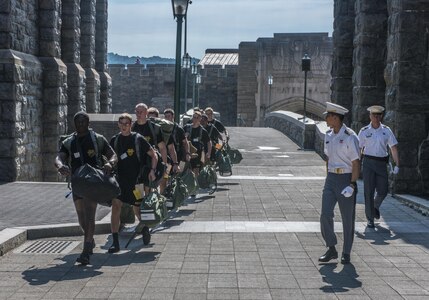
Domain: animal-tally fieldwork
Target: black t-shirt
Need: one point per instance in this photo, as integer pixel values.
(213, 133)
(178, 136)
(128, 161)
(219, 126)
(198, 137)
(83, 151)
(146, 132)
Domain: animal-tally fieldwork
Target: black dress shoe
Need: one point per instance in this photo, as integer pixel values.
(330, 254)
(370, 224)
(345, 259)
(376, 213)
(114, 248)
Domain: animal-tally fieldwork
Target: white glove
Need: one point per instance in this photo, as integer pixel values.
(347, 191)
(395, 170)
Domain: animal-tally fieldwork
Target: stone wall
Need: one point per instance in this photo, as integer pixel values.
(281, 57)
(154, 85)
(291, 124)
(41, 80)
(390, 67)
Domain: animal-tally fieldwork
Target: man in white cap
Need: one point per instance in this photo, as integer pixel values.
(342, 151)
(373, 141)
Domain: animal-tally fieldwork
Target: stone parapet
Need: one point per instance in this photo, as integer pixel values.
(92, 86)
(292, 125)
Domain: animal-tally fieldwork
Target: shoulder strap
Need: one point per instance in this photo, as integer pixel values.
(115, 144)
(152, 130)
(211, 130)
(137, 145)
(96, 140)
(173, 133)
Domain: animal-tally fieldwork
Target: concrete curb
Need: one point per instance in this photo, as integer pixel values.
(419, 204)
(10, 238)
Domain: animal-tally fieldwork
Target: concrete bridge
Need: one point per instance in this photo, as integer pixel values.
(257, 237)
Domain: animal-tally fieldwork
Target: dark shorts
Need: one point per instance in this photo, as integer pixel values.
(127, 195)
(196, 162)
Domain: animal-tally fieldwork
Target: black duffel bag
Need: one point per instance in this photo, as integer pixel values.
(91, 183)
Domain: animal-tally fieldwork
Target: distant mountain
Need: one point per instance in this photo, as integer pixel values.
(114, 58)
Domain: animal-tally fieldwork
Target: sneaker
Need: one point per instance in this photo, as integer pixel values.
(113, 249)
(212, 189)
(83, 259)
(146, 235)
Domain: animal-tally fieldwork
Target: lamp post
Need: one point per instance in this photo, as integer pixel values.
(186, 64)
(180, 8)
(194, 72)
(270, 83)
(198, 81)
(306, 63)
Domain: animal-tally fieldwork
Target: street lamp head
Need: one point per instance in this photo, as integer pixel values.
(306, 62)
(194, 68)
(186, 61)
(180, 7)
(270, 79)
(198, 79)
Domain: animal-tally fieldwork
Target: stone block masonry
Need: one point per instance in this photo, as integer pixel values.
(44, 81)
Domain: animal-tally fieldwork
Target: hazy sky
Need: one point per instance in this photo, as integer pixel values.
(147, 28)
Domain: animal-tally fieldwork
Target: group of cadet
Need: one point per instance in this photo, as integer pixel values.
(345, 150)
(134, 153)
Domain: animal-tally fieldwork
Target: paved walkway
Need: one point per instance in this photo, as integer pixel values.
(257, 237)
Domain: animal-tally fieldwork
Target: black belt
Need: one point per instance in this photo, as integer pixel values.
(385, 159)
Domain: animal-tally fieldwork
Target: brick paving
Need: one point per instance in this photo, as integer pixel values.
(258, 239)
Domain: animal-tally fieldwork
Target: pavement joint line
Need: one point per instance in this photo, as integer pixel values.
(286, 226)
(249, 177)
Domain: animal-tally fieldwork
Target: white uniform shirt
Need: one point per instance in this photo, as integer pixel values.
(341, 148)
(375, 140)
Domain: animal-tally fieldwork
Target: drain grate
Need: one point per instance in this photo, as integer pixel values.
(47, 247)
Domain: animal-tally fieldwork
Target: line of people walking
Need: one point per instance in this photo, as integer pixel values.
(142, 155)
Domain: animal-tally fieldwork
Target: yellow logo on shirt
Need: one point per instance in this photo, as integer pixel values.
(130, 152)
(147, 138)
(91, 152)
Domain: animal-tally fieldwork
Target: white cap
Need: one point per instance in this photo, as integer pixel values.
(375, 109)
(335, 108)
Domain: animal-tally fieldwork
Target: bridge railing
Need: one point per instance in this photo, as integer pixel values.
(309, 135)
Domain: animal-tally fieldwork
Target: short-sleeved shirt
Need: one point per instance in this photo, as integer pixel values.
(218, 124)
(198, 137)
(341, 148)
(83, 151)
(146, 132)
(374, 141)
(178, 135)
(214, 134)
(129, 165)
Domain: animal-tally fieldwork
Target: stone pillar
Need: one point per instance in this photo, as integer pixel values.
(54, 84)
(342, 69)
(70, 53)
(87, 54)
(407, 83)
(247, 85)
(369, 57)
(101, 57)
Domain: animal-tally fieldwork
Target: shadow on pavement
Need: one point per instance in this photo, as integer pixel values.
(339, 282)
(380, 235)
(65, 268)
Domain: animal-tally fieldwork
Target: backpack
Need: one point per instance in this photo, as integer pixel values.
(223, 162)
(189, 180)
(207, 177)
(234, 154)
(165, 126)
(153, 209)
(97, 141)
